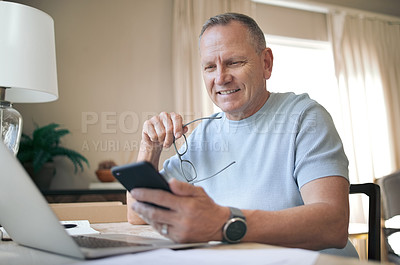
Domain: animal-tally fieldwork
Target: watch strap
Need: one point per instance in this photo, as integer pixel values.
(235, 212)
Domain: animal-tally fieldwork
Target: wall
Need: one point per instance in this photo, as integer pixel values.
(293, 23)
(381, 8)
(384, 7)
(114, 70)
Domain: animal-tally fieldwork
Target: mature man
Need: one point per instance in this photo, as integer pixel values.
(279, 160)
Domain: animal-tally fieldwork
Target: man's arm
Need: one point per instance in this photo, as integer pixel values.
(321, 223)
(132, 216)
(158, 132)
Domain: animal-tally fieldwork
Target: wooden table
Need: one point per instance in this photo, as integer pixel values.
(13, 254)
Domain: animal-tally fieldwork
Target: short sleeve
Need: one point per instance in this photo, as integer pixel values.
(319, 149)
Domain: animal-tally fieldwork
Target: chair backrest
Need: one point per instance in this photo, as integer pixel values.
(390, 186)
(374, 217)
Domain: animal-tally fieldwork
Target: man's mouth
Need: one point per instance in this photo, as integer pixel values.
(227, 92)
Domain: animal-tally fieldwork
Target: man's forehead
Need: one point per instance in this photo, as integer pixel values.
(222, 37)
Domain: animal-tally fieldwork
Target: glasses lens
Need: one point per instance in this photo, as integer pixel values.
(188, 170)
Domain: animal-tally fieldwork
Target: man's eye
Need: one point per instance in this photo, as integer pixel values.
(209, 68)
(234, 63)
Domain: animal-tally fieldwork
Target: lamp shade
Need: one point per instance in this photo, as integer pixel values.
(27, 54)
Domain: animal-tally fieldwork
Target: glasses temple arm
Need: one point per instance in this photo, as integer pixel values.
(199, 119)
(193, 182)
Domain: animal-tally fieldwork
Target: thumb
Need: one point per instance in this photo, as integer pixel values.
(182, 188)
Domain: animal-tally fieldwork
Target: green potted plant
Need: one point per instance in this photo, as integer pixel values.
(36, 152)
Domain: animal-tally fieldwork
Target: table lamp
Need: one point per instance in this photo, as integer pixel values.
(28, 72)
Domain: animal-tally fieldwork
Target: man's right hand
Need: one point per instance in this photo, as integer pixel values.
(158, 132)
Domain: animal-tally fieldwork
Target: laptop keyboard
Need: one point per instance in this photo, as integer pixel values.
(93, 242)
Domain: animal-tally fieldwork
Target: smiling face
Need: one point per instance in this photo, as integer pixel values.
(234, 73)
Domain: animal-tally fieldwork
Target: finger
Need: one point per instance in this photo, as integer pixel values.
(142, 209)
(169, 129)
(153, 215)
(159, 127)
(153, 196)
(163, 229)
(150, 132)
(178, 125)
(183, 189)
(167, 230)
(158, 218)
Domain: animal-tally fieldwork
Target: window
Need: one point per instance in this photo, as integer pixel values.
(305, 66)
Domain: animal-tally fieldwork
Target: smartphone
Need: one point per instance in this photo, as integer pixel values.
(140, 175)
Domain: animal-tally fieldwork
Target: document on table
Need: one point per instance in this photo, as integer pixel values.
(280, 256)
(78, 227)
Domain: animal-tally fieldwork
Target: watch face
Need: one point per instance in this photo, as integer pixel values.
(236, 230)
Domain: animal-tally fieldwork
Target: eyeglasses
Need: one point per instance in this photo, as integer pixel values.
(187, 167)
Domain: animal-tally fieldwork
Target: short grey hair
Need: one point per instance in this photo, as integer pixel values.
(256, 35)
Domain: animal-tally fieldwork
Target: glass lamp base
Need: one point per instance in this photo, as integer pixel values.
(10, 126)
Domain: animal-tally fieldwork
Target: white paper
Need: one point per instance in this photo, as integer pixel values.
(281, 256)
(82, 228)
(4, 234)
(393, 222)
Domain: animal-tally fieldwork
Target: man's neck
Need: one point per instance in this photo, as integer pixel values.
(241, 115)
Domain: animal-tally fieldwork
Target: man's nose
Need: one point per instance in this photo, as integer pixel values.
(222, 76)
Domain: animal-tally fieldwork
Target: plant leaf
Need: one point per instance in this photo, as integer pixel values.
(44, 145)
(76, 158)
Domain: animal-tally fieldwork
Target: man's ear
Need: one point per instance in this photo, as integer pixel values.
(268, 61)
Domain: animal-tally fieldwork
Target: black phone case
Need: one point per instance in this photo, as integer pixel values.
(140, 175)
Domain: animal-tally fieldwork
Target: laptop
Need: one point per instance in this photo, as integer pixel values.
(30, 222)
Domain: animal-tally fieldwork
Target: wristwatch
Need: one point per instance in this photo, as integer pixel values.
(235, 228)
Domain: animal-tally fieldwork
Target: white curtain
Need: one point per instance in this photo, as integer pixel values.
(367, 61)
(191, 98)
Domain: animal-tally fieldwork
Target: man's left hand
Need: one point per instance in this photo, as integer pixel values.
(192, 216)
